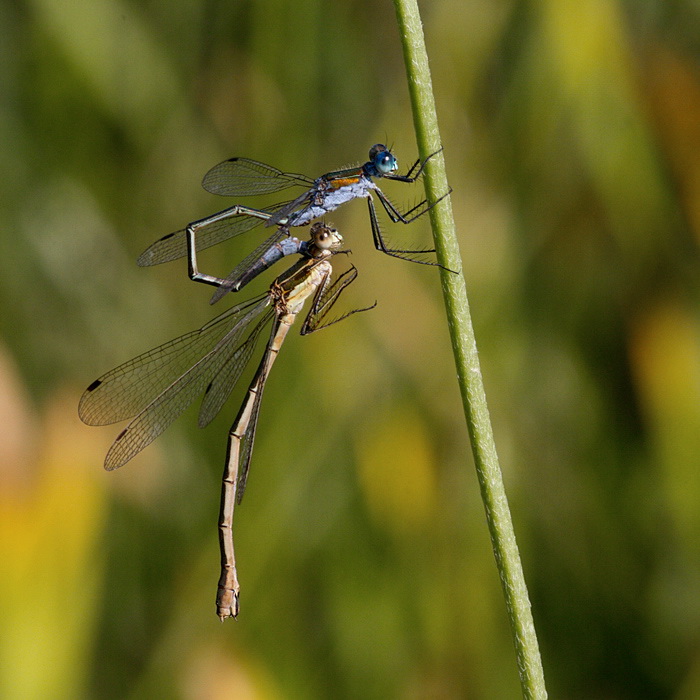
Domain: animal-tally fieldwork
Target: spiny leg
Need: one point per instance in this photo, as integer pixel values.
(381, 245)
(325, 298)
(409, 176)
(413, 213)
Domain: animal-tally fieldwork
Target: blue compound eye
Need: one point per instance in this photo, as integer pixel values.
(386, 163)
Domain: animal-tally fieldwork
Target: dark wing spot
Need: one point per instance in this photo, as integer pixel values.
(94, 385)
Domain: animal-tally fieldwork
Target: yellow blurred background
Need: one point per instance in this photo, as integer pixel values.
(571, 131)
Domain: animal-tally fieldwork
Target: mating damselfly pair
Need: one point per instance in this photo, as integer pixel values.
(153, 389)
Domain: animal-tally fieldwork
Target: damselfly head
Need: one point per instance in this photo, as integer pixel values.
(324, 237)
(383, 159)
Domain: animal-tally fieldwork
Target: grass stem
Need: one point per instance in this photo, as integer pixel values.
(466, 356)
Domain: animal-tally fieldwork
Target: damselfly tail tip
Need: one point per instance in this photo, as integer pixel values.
(223, 618)
(227, 604)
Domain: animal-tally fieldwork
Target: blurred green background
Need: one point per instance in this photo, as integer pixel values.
(571, 132)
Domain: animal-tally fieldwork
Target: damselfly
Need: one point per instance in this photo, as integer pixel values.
(154, 388)
(239, 177)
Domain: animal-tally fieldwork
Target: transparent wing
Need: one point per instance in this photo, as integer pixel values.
(247, 446)
(124, 391)
(284, 212)
(238, 177)
(221, 386)
(174, 245)
(247, 263)
(171, 402)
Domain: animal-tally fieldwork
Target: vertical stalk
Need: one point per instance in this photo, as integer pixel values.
(466, 356)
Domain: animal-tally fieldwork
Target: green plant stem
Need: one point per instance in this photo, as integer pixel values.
(466, 356)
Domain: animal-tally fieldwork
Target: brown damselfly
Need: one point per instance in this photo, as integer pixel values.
(154, 388)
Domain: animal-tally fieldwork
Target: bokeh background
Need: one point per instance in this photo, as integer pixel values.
(571, 132)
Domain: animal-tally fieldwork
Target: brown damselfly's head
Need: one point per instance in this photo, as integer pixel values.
(325, 238)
